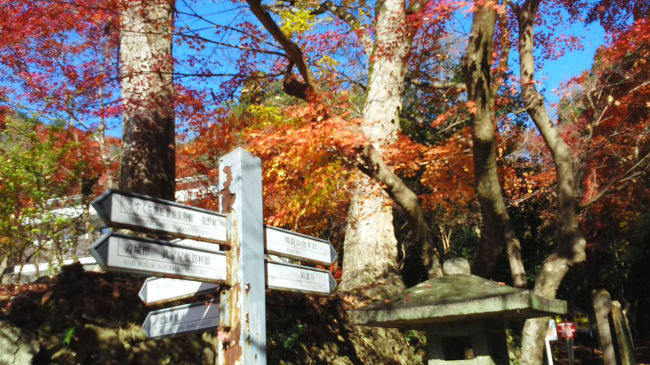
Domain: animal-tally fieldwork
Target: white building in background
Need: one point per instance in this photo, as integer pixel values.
(31, 271)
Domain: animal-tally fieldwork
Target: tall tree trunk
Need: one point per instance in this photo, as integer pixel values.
(570, 247)
(370, 246)
(496, 229)
(370, 212)
(148, 139)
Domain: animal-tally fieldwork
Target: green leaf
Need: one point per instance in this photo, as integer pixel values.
(67, 336)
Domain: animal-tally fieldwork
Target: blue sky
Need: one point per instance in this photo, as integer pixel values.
(226, 13)
(550, 76)
(574, 63)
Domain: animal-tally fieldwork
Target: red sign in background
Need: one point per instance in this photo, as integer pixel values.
(566, 330)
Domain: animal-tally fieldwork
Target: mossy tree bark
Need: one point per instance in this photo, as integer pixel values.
(571, 243)
(370, 247)
(497, 228)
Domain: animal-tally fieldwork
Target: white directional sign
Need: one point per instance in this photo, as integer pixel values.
(298, 278)
(118, 252)
(161, 290)
(286, 243)
(182, 319)
(141, 212)
(199, 245)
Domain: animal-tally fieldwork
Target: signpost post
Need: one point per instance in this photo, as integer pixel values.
(196, 265)
(240, 187)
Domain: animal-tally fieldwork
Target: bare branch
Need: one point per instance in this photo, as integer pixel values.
(223, 44)
(292, 49)
(351, 21)
(625, 177)
(441, 85)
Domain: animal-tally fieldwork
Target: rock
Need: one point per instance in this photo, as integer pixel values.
(456, 266)
(64, 356)
(18, 347)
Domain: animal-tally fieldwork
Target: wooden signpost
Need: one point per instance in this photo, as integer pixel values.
(196, 265)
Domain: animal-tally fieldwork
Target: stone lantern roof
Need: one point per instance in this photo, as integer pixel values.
(456, 298)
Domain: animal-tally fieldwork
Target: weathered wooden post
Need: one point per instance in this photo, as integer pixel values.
(602, 307)
(240, 186)
(623, 335)
(240, 313)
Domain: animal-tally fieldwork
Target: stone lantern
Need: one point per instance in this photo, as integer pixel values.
(464, 315)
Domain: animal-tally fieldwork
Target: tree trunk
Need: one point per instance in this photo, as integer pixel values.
(370, 246)
(370, 210)
(148, 139)
(571, 243)
(496, 229)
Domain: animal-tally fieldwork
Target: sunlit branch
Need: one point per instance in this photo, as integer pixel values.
(351, 21)
(292, 49)
(217, 25)
(626, 177)
(223, 44)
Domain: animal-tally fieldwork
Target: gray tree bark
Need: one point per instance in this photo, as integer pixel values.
(370, 246)
(570, 247)
(496, 228)
(602, 307)
(148, 137)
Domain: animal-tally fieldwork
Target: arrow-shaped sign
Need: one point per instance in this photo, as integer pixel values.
(119, 252)
(287, 243)
(182, 319)
(141, 212)
(290, 277)
(198, 245)
(162, 290)
(145, 213)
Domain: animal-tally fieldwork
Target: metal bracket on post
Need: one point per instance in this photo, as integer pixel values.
(240, 195)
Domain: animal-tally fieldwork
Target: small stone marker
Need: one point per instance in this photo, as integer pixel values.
(623, 335)
(182, 319)
(602, 307)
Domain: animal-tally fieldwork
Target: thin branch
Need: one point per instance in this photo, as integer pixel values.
(217, 25)
(293, 51)
(223, 44)
(351, 21)
(440, 85)
(624, 177)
